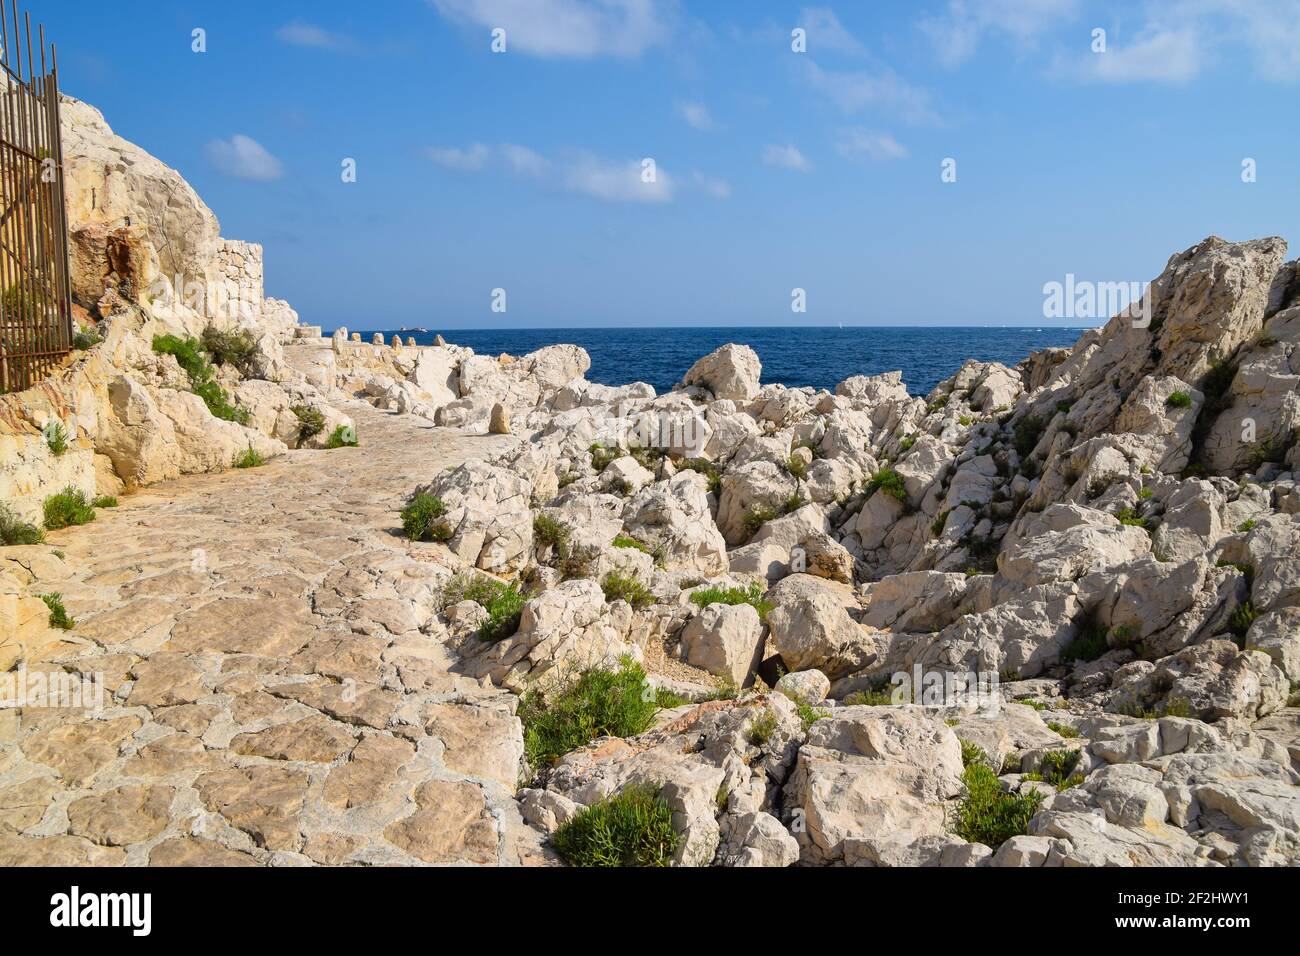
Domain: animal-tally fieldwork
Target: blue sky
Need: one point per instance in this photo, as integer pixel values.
(775, 169)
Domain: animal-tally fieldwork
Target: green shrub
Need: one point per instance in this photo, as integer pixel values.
(706, 468)
(250, 459)
(601, 457)
(1062, 730)
(906, 444)
(505, 609)
(936, 528)
(627, 541)
(469, 586)
(599, 703)
(1027, 433)
(104, 501)
(1129, 517)
(796, 466)
(761, 727)
(83, 339)
(626, 587)
(420, 518)
(972, 753)
(1246, 526)
(752, 595)
(1179, 400)
(938, 403)
(1088, 645)
(988, 815)
(1057, 768)
(345, 436)
(188, 352)
(56, 437)
(632, 828)
(757, 516)
(890, 482)
(235, 347)
(877, 697)
(311, 421)
(58, 613)
(552, 532)
(68, 508)
(809, 715)
(1241, 619)
(13, 530)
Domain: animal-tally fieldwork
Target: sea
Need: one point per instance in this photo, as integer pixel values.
(817, 356)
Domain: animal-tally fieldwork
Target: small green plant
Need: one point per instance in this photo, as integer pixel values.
(797, 467)
(250, 459)
(972, 753)
(1146, 494)
(1027, 433)
(189, 354)
(890, 482)
(761, 727)
(871, 697)
(1179, 400)
(421, 518)
(632, 828)
(601, 457)
(1129, 517)
(938, 403)
(311, 421)
(13, 530)
(345, 436)
(809, 715)
(1057, 768)
(706, 468)
(552, 532)
(1246, 526)
(68, 508)
(505, 609)
(757, 516)
(965, 420)
(1294, 699)
(104, 501)
(1088, 645)
(716, 594)
(618, 586)
(1241, 619)
(1062, 730)
(1265, 341)
(83, 339)
(56, 437)
(987, 814)
(235, 347)
(468, 586)
(58, 613)
(599, 703)
(627, 541)
(936, 528)
(906, 444)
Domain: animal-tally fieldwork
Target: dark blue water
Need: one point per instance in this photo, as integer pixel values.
(816, 356)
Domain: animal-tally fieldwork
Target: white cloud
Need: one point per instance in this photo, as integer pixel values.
(574, 171)
(569, 28)
(525, 161)
(881, 87)
(825, 32)
(467, 160)
(243, 157)
(696, 115)
(786, 157)
(956, 33)
(616, 181)
(880, 146)
(1160, 56)
(301, 33)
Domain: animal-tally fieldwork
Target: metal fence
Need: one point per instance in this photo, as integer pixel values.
(35, 288)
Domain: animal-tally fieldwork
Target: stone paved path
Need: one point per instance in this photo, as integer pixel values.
(270, 698)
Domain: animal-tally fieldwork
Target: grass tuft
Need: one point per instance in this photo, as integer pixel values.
(13, 530)
(752, 595)
(632, 828)
(68, 508)
(618, 586)
(420, 519)
(58, 613)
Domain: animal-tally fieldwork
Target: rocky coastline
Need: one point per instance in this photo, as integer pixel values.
(1045, 615)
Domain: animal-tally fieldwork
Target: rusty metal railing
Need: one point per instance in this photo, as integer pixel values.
(35, 284)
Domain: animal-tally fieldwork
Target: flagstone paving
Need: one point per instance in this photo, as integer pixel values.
(271, 697)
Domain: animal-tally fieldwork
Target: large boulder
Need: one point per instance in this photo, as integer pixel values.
(488, 515)
(731, 372)
(726, 640)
